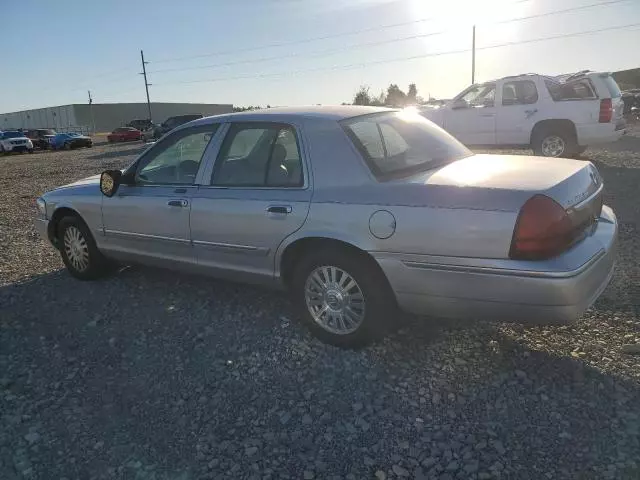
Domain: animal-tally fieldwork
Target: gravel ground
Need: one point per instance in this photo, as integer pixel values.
(153, 375)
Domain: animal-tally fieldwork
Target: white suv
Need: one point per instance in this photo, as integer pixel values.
(14, 141)
(554, 116)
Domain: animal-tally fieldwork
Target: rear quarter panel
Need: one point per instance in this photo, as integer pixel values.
(428, 220)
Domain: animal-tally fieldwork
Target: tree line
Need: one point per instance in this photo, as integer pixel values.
(393, 97)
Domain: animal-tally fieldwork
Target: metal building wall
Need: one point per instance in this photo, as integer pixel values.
(60, 118)
(107, 116)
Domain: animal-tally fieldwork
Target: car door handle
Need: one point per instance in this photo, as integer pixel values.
(178, 203)
(280, 209)
(487, 114)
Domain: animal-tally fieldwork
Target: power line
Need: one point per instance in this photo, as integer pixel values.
(401, 59)
(326, 52)
(311, 39)
(370, 29)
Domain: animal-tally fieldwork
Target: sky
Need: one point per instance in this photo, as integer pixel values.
(295, 52)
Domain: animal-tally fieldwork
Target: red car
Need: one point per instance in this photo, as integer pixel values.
(124, 134)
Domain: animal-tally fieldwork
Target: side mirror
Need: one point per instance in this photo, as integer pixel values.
(109, 182)
(459, 103)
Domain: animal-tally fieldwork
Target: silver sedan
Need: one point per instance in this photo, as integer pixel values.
(356, 211)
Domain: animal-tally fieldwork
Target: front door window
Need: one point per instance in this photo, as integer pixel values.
(175, 160)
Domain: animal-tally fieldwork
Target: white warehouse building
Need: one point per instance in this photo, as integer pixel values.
(103, 117)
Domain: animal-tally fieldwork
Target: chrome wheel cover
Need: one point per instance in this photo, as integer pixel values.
(553, 146)
(76, 248)
(334, 300)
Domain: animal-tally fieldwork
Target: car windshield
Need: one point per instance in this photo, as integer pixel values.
(46, 132)
(402, 143)
(12, 134)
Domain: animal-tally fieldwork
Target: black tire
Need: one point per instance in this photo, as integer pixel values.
(67, 146)
(379, 302)
(97, 264)
(544, 133)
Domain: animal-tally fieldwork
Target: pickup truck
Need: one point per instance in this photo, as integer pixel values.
(554, 116)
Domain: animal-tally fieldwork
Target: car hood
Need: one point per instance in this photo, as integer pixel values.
(86, 185)
(14, 138)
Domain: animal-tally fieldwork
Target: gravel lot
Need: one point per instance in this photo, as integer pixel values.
(153, 375)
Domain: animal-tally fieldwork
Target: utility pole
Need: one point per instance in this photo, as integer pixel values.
(146, 84)
(93, 121)
(473, 56)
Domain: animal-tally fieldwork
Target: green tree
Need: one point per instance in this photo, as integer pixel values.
(412, 94)
(395, 96)
(362, 96)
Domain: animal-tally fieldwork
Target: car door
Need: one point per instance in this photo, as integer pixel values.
(517, 113)
(472, 116)
(258, 194)
(148, 220)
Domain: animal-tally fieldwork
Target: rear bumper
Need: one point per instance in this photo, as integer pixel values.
(544, 293)
(597, 133)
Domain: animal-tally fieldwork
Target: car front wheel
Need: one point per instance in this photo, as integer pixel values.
(79, 251)
(343, 297)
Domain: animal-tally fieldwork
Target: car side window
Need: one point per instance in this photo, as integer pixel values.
(520, 92)
(480, 95)
(177, 158)
(259, 155)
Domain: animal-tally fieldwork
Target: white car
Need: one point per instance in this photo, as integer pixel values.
(554, 116)
(15, 141)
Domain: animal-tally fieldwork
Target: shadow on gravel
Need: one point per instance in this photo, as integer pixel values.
(627, 143)
(150, 374)
(118, 153)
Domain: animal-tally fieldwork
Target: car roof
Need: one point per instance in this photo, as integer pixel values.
(321, 112)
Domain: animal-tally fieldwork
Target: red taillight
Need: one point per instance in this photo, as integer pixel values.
(606, 111)
(543, 230)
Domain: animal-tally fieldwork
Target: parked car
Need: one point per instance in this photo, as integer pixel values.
(15, 141)
(124, 134)
(554, 116)
(41, 137)
(173, 122)
(68, 141)
(357, 211)
(140, 124)
(149, 134)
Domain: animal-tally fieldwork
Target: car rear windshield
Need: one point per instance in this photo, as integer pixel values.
(397, 144)
(46, 132)
(612, 86)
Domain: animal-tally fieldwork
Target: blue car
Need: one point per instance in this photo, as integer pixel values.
(67, 141)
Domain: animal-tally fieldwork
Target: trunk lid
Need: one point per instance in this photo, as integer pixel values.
(505, 182)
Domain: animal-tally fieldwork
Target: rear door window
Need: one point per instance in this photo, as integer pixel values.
(575, 90)
(520, 92)
(259, 155)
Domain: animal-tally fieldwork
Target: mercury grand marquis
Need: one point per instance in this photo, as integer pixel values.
(357, 211)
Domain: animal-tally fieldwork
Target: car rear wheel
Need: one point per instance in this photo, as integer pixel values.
(553, 143)
(79, 251)
(67, 146)
(343, 297)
